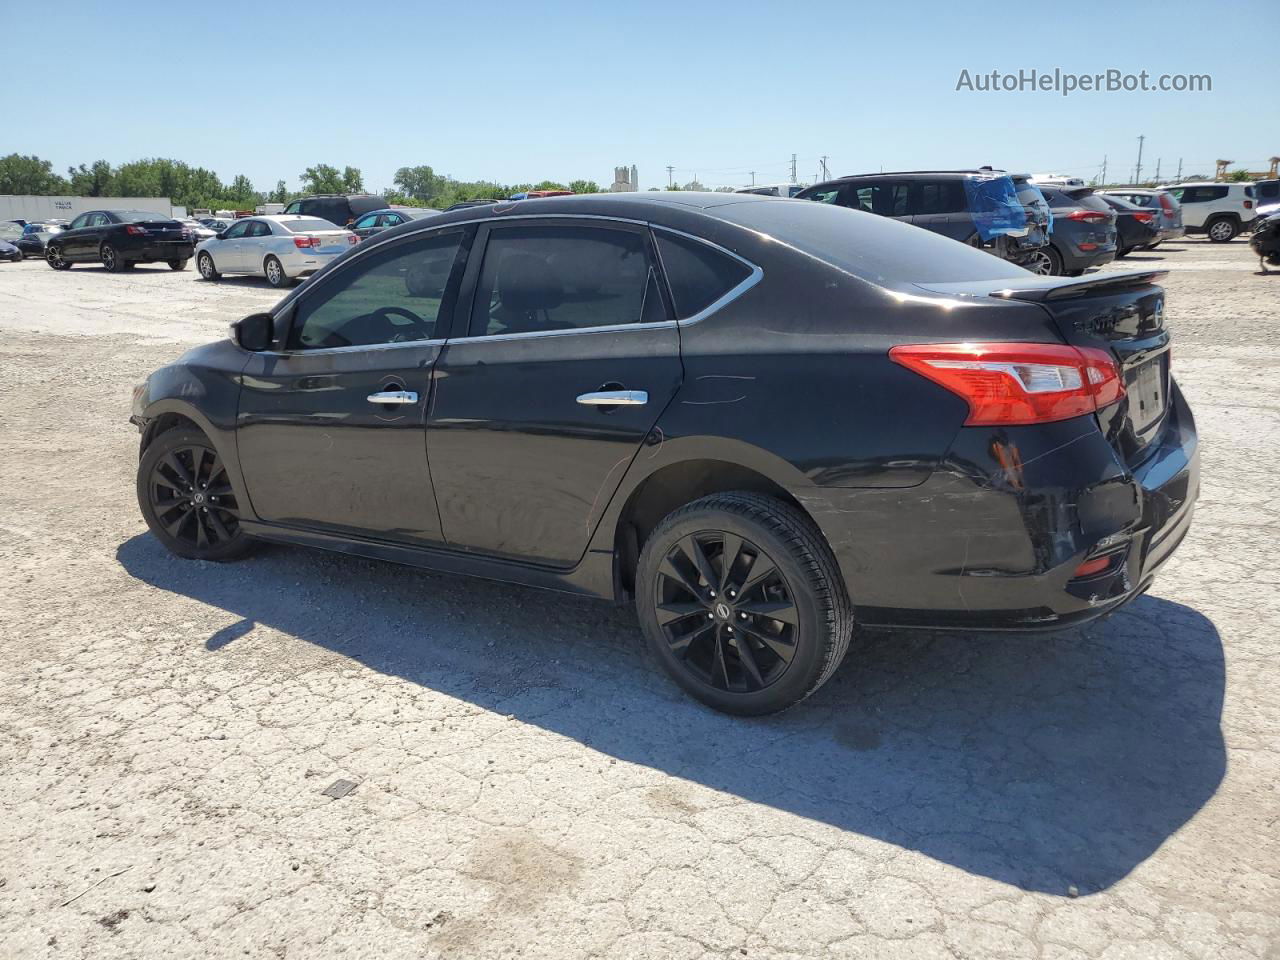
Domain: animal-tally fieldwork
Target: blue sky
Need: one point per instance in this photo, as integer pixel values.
(565, 90)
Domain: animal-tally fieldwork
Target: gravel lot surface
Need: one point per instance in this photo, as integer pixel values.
(528, 786)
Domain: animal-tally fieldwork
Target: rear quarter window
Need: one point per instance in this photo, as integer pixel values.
(697, 274)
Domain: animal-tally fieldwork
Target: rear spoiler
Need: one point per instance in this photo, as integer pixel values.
(1079, 286)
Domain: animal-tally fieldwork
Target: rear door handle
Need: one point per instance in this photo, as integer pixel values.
(393, 396)
(614, 398)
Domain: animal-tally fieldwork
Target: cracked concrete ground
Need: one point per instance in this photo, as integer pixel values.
(528, 785)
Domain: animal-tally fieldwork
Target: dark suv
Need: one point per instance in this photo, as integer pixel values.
(1006, 215)
(1084, 233)
(337, 208)
(759, 421)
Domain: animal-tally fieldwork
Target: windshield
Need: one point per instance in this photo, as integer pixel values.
(309, 225)
(10, 231)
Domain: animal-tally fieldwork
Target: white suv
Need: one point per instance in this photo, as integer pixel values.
(1221, 210)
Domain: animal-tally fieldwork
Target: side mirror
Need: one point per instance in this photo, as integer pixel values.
(255, 332)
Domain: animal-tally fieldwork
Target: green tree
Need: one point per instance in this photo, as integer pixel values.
(280, 194)
(322, 178)
(549, 185)
(92, 181)
(1240, 175)
(352, 181)
(420, 183)
(240, 192)
(584, 186)
(30, 175)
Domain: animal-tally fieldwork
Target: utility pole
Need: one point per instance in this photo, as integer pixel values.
(793, 168)
(753, 178)
(825, 175)
(670, 182)
(1104, 171)
(1137, 174)
(1157, 169)
(1179, 177)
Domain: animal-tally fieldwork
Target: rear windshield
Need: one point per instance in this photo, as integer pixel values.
(138, 216)
(883, 251)
(1093, 202)
(310, 225)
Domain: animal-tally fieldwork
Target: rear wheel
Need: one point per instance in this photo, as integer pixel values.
(742, 603)
(1223, 229)
(1046, 262)
(275, 272)
(111, 258)
(187, 498)
(205, 265)
(53, 257)
(178, 264)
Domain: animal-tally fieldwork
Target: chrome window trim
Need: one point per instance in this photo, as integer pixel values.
(325, 351)
(733, 293)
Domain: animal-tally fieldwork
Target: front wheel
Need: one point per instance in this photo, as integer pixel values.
(742, 603)
(178, 264)
(275, 272)
(53, 257)
(1223, 230)
(206, 267)
(187, 499)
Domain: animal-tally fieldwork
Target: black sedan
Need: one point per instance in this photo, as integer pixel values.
(1135, 227)
(120, 239)
(760, 422)
(10, 234)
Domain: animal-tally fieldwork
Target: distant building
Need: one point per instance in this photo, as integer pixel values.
(624, 180)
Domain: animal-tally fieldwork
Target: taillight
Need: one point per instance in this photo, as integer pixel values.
(1088, 216)
(136, 230)
(1166, 204)
(1144, 217)
(1018, 383)
(306, 243)
(1248, 204)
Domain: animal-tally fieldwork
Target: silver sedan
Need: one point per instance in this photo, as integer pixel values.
(280, 248)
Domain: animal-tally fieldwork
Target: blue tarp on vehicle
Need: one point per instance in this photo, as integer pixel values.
(997, 211)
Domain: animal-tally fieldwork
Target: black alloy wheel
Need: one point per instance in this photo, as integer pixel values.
(726, 611)
(53, 257)
(187, 498)
(113, 262)
(742, 603)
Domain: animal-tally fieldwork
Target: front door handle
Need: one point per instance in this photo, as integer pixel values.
(393, 396)
(614, 398)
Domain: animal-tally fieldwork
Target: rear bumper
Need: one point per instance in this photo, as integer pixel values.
(303, 264)
(1172, 233)
(162, 250)
(992, 540)
(1073, 258)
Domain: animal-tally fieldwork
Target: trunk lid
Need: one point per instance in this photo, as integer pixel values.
(1122, 313)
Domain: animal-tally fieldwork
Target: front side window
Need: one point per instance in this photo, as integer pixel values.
(826, 195)
(238, 230)
(80, 221)
(393, 296)
(295, 207)
(564, 278)
(697, 274)
(365, 222)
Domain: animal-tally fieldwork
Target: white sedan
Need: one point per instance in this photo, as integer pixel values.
(280, 248)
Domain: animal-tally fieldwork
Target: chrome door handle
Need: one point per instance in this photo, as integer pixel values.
(393, 396)
(614, 398)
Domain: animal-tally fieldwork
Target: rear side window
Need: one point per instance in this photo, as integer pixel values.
(390, 297)
(564, 278)
(698, 275)
(939, 196)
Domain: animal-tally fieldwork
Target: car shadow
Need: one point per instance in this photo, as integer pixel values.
(1042, 762)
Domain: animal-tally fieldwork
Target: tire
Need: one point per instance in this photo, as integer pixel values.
(695, 630)
(53, 257)
(204, 263)
(187, 499)
(1152, 246)
(111, 260)
(1222, 230)
(1122, 252)
(178, 264)
(275, 272)
(1046, 262)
